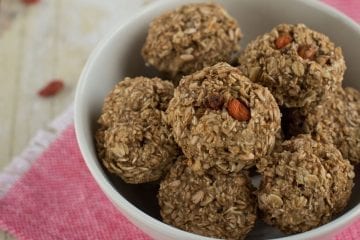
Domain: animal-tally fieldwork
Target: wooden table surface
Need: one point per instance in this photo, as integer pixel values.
(38, 43)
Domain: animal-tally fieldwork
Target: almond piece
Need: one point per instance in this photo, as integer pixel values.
(307, 52)
(283, 40)
(238, 110)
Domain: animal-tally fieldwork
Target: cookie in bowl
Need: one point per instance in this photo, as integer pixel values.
(220, 118)
(191, 37)
(133, 139)
(304, 184)
(212, 204)
(296, 63)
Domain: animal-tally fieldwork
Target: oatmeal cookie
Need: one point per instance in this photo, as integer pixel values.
(297, 64)
(220, 118)
(133, 140)
(303, 184)
(337, 121)
(213, 205)
(191, 37)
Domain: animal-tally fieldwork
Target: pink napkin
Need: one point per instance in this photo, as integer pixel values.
(349, 7)
(50, 194)
(57, 198)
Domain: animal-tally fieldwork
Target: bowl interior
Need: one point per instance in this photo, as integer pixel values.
(119, 56)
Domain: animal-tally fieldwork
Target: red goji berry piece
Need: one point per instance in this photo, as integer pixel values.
(52, 88)
(283, 40)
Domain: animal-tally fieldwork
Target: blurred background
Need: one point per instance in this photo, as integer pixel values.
(43, 40)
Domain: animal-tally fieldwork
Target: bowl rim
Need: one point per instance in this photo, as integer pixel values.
(128, 208)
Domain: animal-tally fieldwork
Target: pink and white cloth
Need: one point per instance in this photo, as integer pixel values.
(48, 193)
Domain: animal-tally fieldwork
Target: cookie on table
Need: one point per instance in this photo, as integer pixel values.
(191, 37)
(220, 118)
(298, 65)
(304, 184)
(133, 140)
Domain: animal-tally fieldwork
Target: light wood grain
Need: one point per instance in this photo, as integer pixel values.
(10, 52)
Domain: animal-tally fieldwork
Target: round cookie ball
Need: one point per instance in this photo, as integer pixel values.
(213, 205)
(297, 64)
(220, 118)
(337, 121)
(191, 37)
(303, 184)
(133, 140)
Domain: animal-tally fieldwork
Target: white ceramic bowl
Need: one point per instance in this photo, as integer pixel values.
(118, 55)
